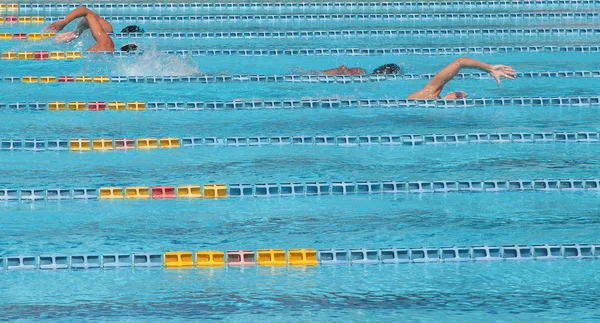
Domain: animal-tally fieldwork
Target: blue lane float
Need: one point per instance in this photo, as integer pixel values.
(53, 262)
(85, 261)
(117, 260)
(147, 259)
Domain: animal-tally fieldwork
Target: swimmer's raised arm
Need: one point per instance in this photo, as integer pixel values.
(60, 24)
(82, 26)
(103, 41)
(434, 87)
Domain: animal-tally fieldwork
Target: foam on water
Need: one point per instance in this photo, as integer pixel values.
(153, 62)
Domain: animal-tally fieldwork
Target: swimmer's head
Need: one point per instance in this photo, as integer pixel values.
(129, 47)
(389, 69)
(133, 29)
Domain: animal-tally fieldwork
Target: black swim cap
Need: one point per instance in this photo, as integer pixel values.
(129, 47)
(389, 69)
(132, 29)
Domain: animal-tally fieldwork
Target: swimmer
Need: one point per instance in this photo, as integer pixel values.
(99, 28)
(433, 88)
(344, 70)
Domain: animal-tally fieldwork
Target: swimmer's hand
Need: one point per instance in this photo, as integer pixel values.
(498, 71)
(66, 37)
(56, 26)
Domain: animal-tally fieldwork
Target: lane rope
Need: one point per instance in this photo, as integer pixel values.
(281, 78)
(106, 144)
(326, 34)
(504, 16)
(566, 101)
(473, 50)
(104, 8)
(303, 257)
(262, 190)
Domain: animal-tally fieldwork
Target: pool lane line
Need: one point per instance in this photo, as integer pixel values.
(303, 257)
(40, 55)
(352, 51)
(336, 34)
(12, 20)
(26, 36)
(287, 189)
(469, 16)
(145, 143)
(101, 8)
(255, 104)
(278, 78)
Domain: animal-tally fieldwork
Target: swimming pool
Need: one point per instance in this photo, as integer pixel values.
(412, 209)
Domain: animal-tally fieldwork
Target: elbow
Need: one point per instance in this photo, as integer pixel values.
(84, 10)
(460, 61)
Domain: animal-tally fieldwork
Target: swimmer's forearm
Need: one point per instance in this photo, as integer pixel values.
(77, 13)
(466, 62)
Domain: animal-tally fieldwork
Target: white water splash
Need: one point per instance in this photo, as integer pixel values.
(153, 62)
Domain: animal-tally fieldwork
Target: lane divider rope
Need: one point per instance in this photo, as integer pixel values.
(504, 16)
(319, 34)
(213, 191)
(107, 144)
(408, 5)
(12, 55)
(566, 101)
(25, 36)
(277, 78)
(9, 20)
(41, 55)
(454, 32)
(303, 257)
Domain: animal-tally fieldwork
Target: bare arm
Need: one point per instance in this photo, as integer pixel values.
(77, 13)
(84, 25)
(344, 70)
(434, 87)
(103, 41)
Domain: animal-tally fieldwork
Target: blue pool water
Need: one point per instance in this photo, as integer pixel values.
(472, 291)
(493, 292)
